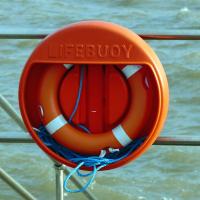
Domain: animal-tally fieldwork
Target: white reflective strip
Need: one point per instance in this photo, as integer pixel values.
(121, 135)
(129, 70)
(56, 124)
(68, 66)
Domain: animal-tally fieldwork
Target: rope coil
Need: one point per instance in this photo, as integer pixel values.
(96, 162)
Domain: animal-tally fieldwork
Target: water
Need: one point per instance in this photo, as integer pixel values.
(163, 173)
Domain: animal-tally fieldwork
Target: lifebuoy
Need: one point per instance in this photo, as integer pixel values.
(78, 141)
(94, 43)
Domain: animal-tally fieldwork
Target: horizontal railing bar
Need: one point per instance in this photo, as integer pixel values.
(22, 36)
(144, 36)
(178, 141)
(169, 37)
(175, 140)
(16, 140)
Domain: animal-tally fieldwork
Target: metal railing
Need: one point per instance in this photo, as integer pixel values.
(144, 36)
(59, 168)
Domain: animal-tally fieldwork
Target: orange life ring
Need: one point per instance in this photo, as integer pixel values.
(78, 141)
(94, 43)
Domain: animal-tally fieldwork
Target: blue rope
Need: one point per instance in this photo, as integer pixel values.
(78, 100)
(94, 162)
(92, 174)
(83, 128)
(79, 94)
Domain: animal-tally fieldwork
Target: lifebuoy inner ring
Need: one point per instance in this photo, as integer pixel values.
(92, 144)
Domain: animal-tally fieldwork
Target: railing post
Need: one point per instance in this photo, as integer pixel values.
(59, 181)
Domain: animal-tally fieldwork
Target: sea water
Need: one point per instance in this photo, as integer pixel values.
(163, 173)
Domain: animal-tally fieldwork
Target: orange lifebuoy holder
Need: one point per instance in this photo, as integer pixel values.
(124, 91)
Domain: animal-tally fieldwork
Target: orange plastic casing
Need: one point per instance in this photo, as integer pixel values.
(94, 43)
